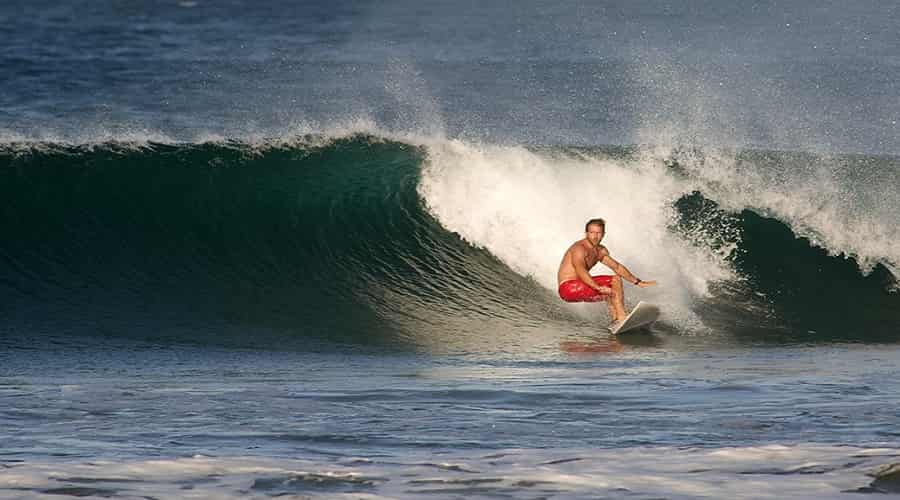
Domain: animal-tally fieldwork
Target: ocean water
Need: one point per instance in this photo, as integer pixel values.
(309, 249)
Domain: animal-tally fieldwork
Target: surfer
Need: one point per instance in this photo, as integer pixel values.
(577, 285)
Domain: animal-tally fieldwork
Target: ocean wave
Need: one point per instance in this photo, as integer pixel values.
(363, 237)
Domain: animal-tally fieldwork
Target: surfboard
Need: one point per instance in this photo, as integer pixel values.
(642, 315)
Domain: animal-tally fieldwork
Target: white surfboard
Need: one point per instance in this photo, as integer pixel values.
(642, 315)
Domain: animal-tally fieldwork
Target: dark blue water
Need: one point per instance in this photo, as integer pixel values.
(806, 76)
(310, 249)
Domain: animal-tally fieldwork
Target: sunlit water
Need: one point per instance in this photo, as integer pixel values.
(648, 416)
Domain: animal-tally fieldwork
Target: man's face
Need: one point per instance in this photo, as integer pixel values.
(594, 234)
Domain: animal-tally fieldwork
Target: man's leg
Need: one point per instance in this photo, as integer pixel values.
(616, 302)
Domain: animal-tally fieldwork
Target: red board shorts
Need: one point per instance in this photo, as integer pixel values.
(577, 291)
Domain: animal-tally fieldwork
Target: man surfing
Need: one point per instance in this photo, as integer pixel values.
(577, 285)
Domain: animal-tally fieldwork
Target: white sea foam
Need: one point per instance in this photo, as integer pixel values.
(527, 207)
(771, 471)
(299, 132)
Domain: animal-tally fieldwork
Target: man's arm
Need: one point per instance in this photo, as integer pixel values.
(581, 270)
(621, 270)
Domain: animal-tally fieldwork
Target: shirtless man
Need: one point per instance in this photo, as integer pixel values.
(577, 285)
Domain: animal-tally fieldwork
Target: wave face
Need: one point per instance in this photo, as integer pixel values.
(230, 241)
(367, 240)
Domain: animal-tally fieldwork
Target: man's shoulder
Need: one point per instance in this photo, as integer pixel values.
(577, 247)
(575, 251)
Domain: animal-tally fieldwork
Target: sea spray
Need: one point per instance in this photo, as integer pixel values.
(526, 207)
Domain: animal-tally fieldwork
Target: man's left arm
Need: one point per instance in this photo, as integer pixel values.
(623, 271)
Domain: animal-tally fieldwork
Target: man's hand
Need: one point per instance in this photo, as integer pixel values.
(645, 284)
(604, 290)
